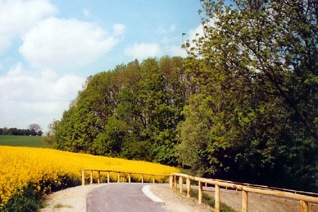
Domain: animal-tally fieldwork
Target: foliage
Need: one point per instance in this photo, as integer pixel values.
(254, 110)
(28, 174)
(131, 111)
(242, 106)
(33, 130)
(28, 200)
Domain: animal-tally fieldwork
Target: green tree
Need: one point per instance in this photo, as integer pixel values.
(255, 74)
(110, 142)
(131, 111)
(161, 99)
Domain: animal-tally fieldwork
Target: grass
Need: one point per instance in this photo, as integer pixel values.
(59, 205)
(13, 140)
(209, 200)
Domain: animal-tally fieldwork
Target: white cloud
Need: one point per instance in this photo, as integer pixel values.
(142, 51)
(38, 93)
(176, 51)
(4, 43)
(35, 97)
(118, 29)
(196, 33)
(165, 46)
(199, 31)
(62, 43)
(17, 16)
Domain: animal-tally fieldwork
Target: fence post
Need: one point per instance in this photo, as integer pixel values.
(181, 184)
(244, 201)
(142, 178)
(188, 188)
(129, 178)
(200, 192)
(118, 177)
(108, 177)
(98, 177)
(91, 181)
(153, 179)
(303, 206)
(217, 198)
(83, 177)
(171, 181)
(175, 182)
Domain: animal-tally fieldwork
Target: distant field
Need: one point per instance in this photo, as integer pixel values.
(12, 140)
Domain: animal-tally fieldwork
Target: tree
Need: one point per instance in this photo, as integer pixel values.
(131, 111)
(161, 99)
(49, 139)
(255, 74)
(35, 129)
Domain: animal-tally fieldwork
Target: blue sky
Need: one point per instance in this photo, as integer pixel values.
(49, 47)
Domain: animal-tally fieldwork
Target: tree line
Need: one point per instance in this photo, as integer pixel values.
(132, 112)
(33, 130)
(242, 106)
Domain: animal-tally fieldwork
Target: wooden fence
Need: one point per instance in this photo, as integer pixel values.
(180, 179)
(119, 174)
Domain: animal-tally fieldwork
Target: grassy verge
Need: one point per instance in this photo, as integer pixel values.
(209, 200)
(30, 198)
(206, 198)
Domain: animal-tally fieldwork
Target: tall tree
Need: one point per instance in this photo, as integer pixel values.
(131, 111)
(256, 75)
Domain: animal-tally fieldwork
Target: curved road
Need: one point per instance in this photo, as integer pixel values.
(121, 198)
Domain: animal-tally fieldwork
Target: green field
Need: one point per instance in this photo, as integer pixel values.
(12, 140)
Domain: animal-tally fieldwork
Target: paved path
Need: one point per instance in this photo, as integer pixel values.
(121, 198)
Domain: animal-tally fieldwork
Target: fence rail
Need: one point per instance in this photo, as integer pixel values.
(119, 174)
(176, 179)
(303, 199)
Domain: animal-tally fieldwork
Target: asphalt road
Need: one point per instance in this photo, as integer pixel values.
(121, 198)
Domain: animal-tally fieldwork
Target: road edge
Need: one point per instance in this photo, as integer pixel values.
(150, 195)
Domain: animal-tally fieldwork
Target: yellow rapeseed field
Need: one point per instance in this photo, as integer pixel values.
(46, 169)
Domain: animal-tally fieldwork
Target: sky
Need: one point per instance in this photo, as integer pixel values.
(49, 47)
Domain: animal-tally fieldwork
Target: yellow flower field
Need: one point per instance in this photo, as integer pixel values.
(47, 169)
